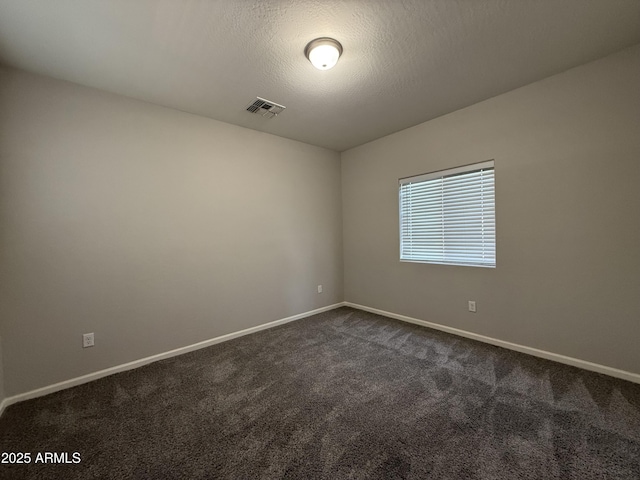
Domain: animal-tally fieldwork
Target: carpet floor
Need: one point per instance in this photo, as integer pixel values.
(343, 394)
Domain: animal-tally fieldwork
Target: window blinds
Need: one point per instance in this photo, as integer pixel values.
(449, 216)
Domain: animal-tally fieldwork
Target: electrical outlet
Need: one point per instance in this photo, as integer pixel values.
(472, 306)
(319, 288)
(87, 340)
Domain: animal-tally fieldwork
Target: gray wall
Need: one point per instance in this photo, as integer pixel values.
(153, 228)
(567, 155)
(157, 229)
(1, 374)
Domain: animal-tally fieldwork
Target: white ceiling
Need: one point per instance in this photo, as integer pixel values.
(404, 62)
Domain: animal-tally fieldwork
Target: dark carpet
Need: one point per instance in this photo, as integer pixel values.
(343, 394)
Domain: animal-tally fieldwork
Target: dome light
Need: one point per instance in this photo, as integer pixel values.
(323, 53)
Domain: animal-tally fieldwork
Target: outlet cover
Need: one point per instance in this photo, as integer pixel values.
(472, 306)
(87, 340)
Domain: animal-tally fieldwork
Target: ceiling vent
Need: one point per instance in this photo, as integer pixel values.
(266, 108)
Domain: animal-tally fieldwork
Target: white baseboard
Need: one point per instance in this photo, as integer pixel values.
(594, 367)
(575, 362)
(39, 392)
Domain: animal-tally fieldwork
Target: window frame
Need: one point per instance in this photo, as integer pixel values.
(441, 174)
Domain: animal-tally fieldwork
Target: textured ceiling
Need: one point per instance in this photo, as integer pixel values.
(404, 62)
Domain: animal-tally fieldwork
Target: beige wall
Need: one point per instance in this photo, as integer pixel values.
(567, 156)
(153, 228)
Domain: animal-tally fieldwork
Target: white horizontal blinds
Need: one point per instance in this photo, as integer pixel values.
(449, 217)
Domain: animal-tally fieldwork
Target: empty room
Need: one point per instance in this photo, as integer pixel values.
(363, 239)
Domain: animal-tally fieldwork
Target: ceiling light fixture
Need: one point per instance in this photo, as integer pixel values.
(323, 53)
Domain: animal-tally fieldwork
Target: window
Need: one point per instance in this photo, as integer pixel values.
(449, 217)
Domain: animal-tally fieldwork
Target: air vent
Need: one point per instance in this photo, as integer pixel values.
(266, 108)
